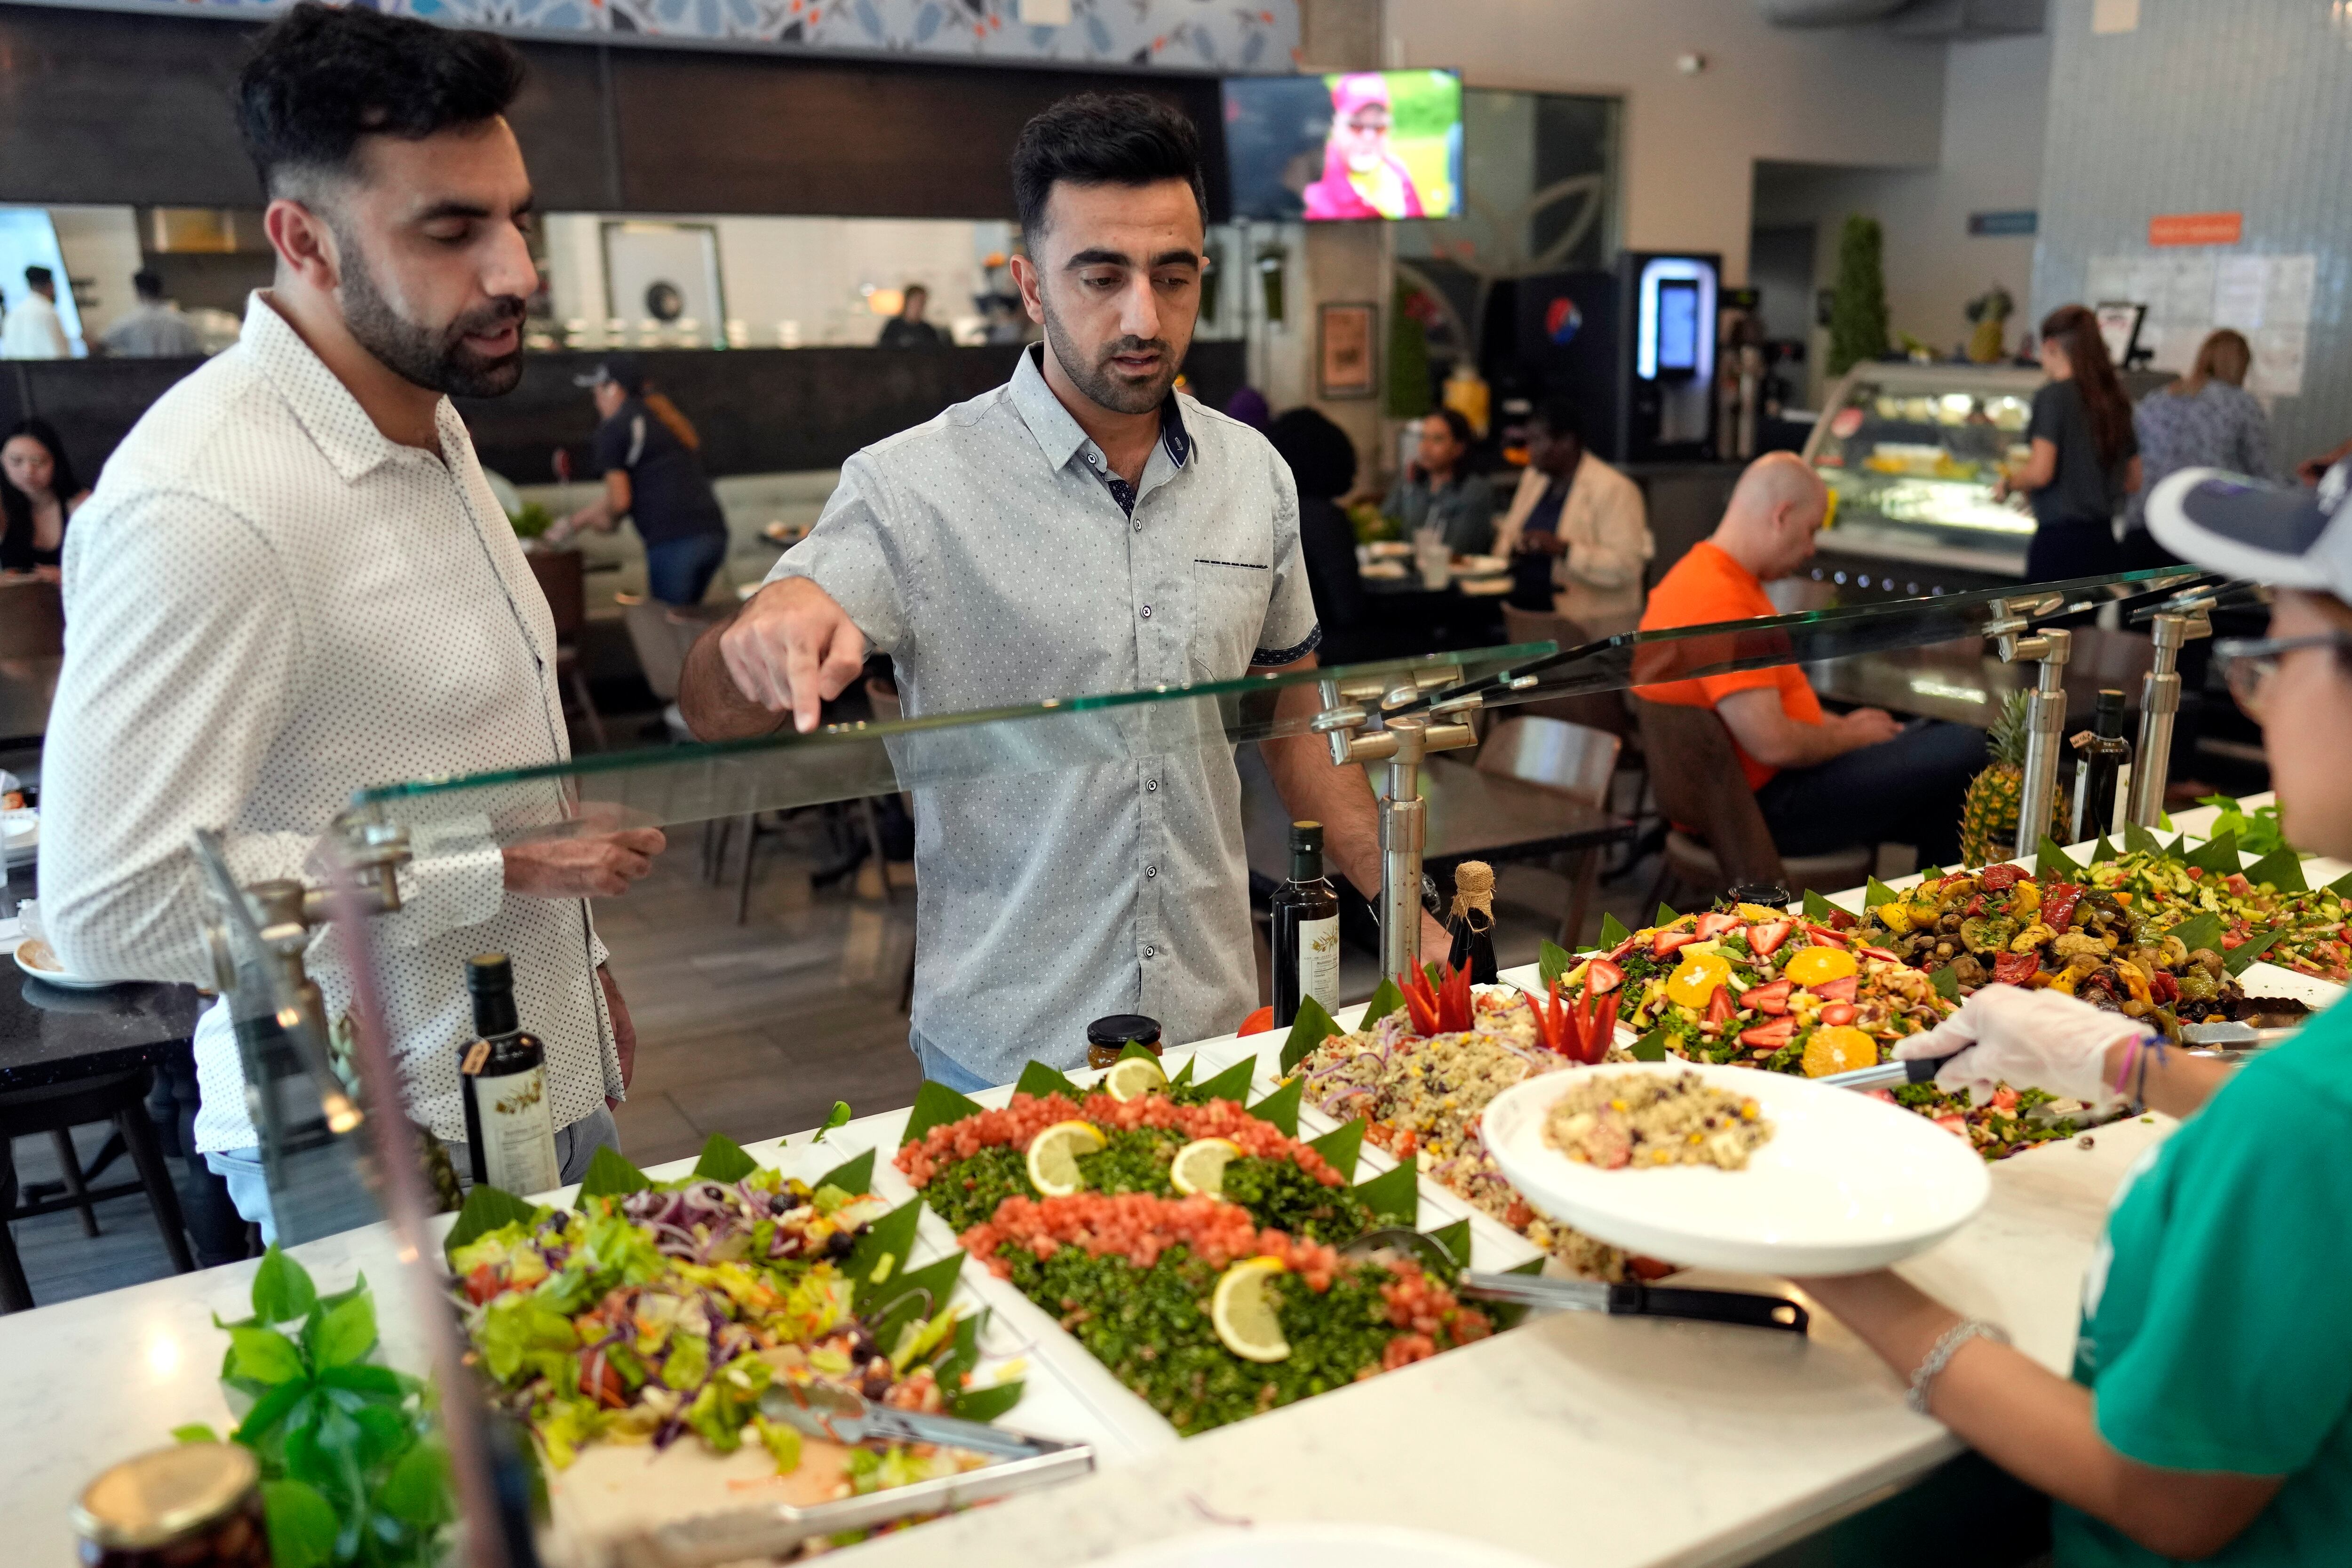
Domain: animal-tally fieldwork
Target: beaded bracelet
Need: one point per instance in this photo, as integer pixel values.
(1940, 1356)
(2137, 1051)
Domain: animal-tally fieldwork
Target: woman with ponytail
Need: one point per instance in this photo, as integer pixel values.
(2085, 458)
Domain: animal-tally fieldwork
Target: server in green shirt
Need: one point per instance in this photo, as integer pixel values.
(2209, 1414)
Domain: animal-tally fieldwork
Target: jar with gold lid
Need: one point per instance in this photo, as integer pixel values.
(194, 1506)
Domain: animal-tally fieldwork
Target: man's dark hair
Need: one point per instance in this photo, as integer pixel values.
(1458, 425)
(321, 78)
(40, 276)
(1559, 416)
(1102, 139)
(147, 285)
(922, 288)
(1322, 460)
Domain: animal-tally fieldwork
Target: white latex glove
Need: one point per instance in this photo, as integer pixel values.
(2036, 1039)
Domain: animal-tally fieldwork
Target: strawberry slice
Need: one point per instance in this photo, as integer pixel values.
(1837, 990)
(1772, 998)
(1765, 938)
(1824, 935)
(1666, 941)
(1718, 1006)
(1712, 925)
(1953, 1123)
(1879, 952)
(1771, 1036)
(1601, 977)
(1623, 948)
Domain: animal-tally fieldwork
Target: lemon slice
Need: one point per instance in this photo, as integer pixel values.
(1054, 1157)
(1200, 1166)
(1242, 1311)
(1133, 1076)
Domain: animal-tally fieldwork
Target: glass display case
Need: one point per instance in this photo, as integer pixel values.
(345, 1093)
(1911, 452)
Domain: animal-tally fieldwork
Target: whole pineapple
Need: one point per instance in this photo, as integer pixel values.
(1988, 816)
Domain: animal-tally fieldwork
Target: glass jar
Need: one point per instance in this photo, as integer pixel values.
(194, 1506)
(1107, 1038)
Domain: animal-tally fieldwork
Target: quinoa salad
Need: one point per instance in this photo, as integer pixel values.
(1644, 1120)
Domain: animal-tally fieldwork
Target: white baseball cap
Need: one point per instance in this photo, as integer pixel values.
(2286, 536)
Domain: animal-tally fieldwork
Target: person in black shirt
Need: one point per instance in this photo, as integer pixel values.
(645, 451)
(1322, 462)
(2085, 458)
(38, 493)
(907, 330)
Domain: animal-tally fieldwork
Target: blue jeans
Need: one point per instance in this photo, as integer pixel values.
(943, 1068)
(249, 1188)
(679, 571)
(1904, 791)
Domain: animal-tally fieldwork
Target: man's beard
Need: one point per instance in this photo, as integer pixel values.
(1094, 377)
(436, 358)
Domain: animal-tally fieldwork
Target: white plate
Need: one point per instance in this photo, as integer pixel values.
(1480, 565)
(1385, 571)
(1320, 1546)
(53, 977)
(1848, 1184)
(1482, 587)
(1388, 549)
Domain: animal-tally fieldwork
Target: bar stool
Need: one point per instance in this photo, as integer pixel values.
(56, 1109)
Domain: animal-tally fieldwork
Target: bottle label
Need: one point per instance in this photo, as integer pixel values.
(2116, 808)
(517, 1132)
(1319, 961)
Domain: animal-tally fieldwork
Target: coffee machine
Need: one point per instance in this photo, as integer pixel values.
(1635, 348)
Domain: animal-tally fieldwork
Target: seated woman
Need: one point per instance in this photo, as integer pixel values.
(1323, 464)
(2209, 1416)
(39, 494)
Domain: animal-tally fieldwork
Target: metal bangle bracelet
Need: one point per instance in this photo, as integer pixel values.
(1939, 1356)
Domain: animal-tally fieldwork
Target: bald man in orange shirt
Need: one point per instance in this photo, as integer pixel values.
(1823, 781)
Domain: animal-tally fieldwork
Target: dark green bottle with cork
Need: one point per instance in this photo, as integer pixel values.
(510, 1129)
(1305, 930)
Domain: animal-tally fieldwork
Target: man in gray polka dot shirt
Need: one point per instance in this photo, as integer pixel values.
(293, 581)
(1083, 529)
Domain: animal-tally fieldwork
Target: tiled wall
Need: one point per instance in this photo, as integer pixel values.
(2210, 106)
(1183, 34)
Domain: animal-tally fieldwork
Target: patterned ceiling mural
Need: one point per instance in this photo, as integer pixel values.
(1233, 36)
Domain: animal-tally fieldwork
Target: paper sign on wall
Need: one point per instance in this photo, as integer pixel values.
(2267, 298)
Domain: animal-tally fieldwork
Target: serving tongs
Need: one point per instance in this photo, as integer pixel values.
(841, 1416)
(2228, 1042)
(1745, 1309)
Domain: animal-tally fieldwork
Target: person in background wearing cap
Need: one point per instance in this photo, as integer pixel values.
(2209, 1414)
(32, 330)
(1362, 177)
(645, 451)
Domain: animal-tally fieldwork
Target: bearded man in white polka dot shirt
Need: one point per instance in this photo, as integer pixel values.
(1084, 529)
(293, 581)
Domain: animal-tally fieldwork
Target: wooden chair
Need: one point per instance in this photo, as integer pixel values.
(559, 578)
(32, 619)
(1721, 840)
(1577, 761)
(56, 1110)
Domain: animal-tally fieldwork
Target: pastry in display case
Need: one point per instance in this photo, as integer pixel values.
(1911, 452)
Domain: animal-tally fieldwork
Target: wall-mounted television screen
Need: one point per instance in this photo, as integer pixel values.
(1366, 144)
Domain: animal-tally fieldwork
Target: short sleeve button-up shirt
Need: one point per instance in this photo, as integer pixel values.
(989, 552)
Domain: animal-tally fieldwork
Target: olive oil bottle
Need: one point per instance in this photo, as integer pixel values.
(1305, 930)
(509, 1130)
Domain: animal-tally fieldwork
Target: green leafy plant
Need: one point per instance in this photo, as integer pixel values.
(1408, 362)
(352, 1470)
(2257, 830)
(532, 520)
(1858, 307)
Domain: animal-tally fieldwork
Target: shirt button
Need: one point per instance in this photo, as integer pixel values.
(1150, 952)
(1138, 525)
(1151, 871)
(1147, 611)
(1152, 786)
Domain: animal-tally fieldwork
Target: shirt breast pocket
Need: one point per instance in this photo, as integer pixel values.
(1229, 605)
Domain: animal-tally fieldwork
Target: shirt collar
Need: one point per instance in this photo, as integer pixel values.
(329, 414)
(1059, 436)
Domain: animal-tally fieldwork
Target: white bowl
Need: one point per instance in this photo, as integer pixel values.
(1848, 1183)
(1320, 1546)
(48, 976)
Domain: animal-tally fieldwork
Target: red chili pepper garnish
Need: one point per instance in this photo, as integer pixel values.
(1439, 1009)
(1999, 879)
(2058, 904)
(1772, 998)
(1580, 1032)
(2015, 968)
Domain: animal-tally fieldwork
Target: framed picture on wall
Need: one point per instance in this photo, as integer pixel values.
(1346, 365)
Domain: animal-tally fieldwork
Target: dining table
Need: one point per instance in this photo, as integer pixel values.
(1964, 683)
